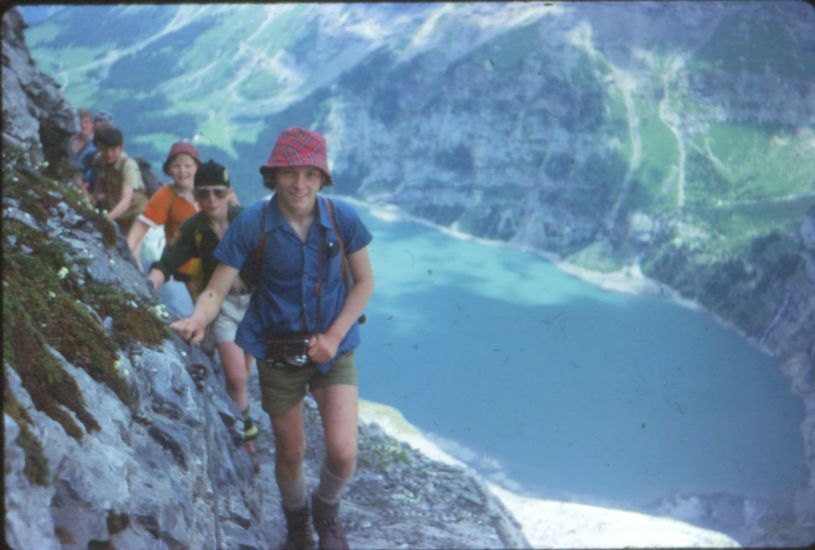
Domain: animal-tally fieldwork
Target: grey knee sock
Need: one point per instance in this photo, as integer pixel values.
(293, 493)
(330, 486)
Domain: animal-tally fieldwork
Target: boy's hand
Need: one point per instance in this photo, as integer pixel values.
(190, 329)
(322, 348)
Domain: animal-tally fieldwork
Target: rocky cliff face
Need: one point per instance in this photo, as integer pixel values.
(36, 117)
(117, 434)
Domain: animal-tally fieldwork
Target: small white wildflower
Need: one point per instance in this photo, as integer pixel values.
(159, 310)
(63, 272)
(183, 354)
(43, 325)
(52, 294)
(118, 364)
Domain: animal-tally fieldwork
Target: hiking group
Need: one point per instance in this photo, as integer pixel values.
(282, 282)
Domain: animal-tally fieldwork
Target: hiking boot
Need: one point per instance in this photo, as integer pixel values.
(299, 535)
(327, 526)
(250, 430)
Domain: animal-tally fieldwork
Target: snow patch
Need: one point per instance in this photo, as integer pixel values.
(550, 523)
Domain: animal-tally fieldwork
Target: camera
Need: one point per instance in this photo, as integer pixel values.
(287, 350)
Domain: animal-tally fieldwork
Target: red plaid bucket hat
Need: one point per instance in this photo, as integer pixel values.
(178, 148)
(298, 147)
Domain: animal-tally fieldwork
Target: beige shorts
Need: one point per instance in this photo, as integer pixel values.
(283, 388)
(225, 325)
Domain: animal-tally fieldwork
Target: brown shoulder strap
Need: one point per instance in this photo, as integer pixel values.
(261, 245)
(344, 260)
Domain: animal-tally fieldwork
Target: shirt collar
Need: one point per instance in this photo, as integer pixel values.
(275, 219)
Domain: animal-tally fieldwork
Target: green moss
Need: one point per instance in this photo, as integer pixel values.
(37, 298)
(133, 320)
(384, 454)
(37, 193)
(40, 310)
(47, 307)
(41, 375)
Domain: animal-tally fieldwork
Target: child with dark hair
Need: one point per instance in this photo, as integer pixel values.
(119, 188)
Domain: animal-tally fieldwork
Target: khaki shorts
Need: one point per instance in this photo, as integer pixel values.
(226, 324)
(283, 388)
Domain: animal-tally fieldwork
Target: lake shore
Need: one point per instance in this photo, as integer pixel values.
(628, 280)
(558, 524)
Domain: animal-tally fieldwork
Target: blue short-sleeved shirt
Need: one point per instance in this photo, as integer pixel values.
(288, 275)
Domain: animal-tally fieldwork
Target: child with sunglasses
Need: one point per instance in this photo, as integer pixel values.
(303, 245)
(198, 237)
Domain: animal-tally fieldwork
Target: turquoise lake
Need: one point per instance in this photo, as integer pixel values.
(556, 388)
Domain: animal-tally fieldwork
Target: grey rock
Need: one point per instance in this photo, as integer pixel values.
(36, 116)
(808, 230)
(24, 502)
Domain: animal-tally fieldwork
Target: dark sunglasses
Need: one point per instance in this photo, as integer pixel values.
(203, 193)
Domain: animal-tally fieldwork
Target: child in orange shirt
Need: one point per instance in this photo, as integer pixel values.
(170, 206)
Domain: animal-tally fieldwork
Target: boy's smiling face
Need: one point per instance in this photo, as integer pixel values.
(297, 187)
(182, 169)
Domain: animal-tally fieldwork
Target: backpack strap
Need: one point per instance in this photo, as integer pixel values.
(261, 245)
(344, 259)
(330, 207)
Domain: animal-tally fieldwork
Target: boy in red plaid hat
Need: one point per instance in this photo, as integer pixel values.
(302, 324)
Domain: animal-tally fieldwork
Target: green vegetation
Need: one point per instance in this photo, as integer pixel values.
(742, 286)
(383, 454)
(160, 142)
(46, 306)
(132, 317)
(764, 161)
(660, 153)
(599, 256)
